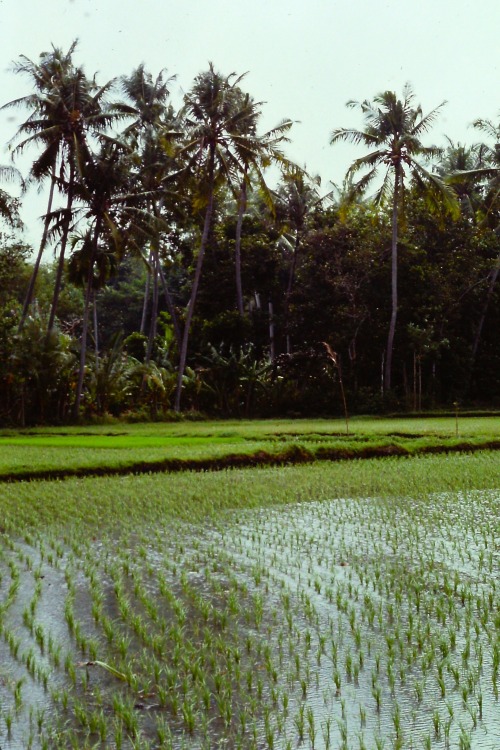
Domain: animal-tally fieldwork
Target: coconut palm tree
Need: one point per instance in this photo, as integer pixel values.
(42, 75)
(256, 153)
(296, 198)
(67, 109)
(146, 100)
(393, 131)
(216, 114)
(153, 127)
(486, 176)
(103, 189)
(458, 165)
(104, 260)
(488, 171)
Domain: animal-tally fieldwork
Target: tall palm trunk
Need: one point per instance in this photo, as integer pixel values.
(96, 327)
(194, 291)
(34, 275)
(168, 297)
(272, 345)
(146, 296)
(237, 246)
(86, 316)
(289, 287)
(394, 282)
(153, 324)
(170, 307)
(96, 347)
(64, 241)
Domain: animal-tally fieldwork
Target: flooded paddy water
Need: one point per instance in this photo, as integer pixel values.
(357, 624)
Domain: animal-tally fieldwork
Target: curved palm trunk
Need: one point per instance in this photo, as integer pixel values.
(237, 246)
(192, 300)
(64, 241)
(86, 316)
(31, 288)
(394, 283)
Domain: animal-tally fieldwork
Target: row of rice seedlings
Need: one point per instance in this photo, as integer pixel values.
(426, 662)
(130, 617)
(32, 651)
(326, 598)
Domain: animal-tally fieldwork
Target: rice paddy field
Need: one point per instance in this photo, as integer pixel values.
(121, 448)
(350, 605)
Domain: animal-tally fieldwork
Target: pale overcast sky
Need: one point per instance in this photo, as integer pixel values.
(305, 58)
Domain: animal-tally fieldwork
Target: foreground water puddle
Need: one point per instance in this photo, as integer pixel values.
(353, 624)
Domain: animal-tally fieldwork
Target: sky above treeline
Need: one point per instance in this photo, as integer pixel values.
(304, 59)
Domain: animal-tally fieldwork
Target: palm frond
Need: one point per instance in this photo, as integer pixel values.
(385, 193)
(438, 193)
(428, 121)
(370, 160)
(350, 135)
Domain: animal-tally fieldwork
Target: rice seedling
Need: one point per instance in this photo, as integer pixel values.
(299, 721)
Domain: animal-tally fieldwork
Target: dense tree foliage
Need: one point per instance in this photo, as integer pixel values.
(180, 273)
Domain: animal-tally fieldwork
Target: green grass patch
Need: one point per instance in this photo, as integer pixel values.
(214, 445)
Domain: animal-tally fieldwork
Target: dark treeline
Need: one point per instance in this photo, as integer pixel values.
(183, 281)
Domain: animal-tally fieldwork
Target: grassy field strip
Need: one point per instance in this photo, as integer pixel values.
(165, 447)
(254, 429)
(117, 442)
(29, 462)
